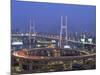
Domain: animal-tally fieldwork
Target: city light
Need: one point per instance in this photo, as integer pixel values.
(83, 40)
(17, 43)
(90, 40)
(67, 46)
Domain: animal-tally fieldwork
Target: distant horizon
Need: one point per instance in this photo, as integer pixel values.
(47, 16)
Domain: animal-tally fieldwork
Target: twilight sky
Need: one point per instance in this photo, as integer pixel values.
(47, 16)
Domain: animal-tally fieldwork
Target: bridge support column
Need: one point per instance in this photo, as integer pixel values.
(70, 64)
(30, 66)
(64, 65)
(49, 53)
(21, 64)
(20, 67)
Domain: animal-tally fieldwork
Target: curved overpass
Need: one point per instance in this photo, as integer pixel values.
(22, 54)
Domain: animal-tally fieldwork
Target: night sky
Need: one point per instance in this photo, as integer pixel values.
(47, 16)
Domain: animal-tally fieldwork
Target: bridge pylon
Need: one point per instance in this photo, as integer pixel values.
(31, 31)
(63, 31)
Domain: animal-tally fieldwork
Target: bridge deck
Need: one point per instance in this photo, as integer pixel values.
(50, 36)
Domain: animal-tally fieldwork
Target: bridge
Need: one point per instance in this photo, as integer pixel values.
(49, 36)
(62, 38)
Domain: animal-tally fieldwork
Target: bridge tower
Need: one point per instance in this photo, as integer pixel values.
(31, 32)
(63, 31)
